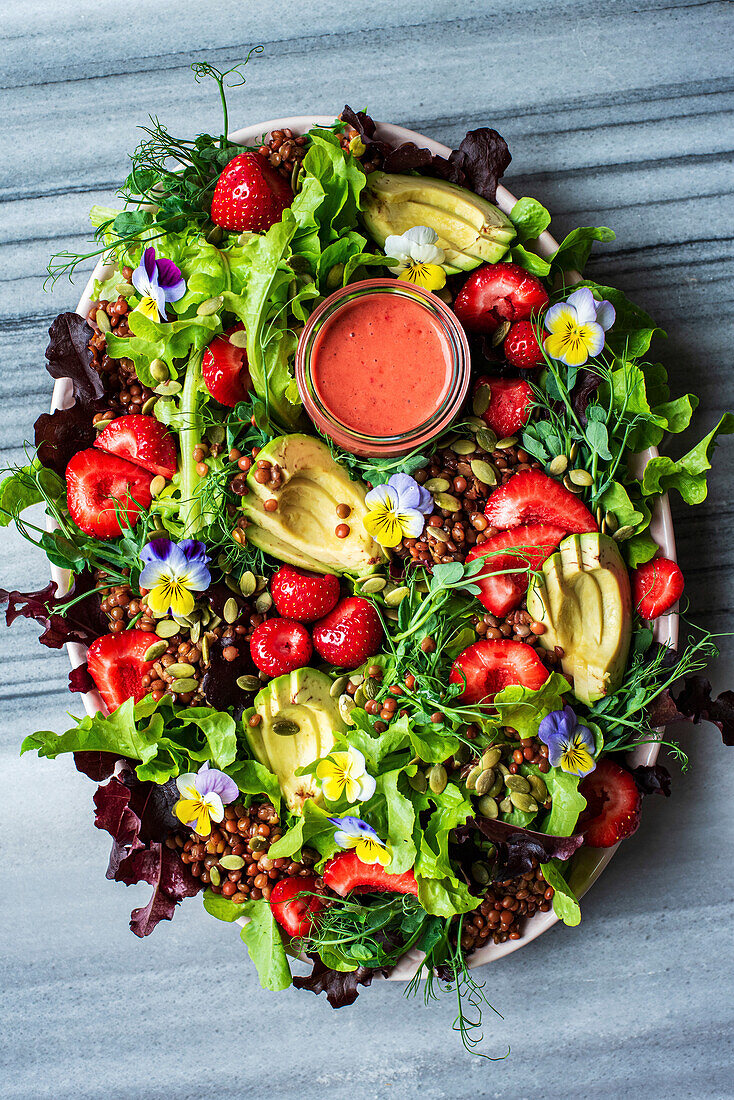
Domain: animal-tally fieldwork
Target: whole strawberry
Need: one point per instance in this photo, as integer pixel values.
(350, 634)
(279, 645)
(304, 596)
(249, 195)
(521, 348)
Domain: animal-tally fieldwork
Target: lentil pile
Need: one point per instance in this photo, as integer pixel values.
(506, 906)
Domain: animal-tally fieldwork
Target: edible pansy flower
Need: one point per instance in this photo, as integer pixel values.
(577, 327)
(204, 794)
(570, 746)
(356, 834)
(173, 572)
(419, 257)
(345, 773)
(157, 282)
(397, 510)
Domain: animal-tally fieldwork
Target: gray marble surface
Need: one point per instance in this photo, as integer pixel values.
(617, 114)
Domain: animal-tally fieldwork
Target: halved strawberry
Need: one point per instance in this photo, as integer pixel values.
(345, 872)
(142, 440)
(249, 195)
(97, 483)
(487, 667)
(510, 404)
(501, 592)
(496, 293)
(225, 371)
(656, 586)
(532, 497)
(116, 665)
(612, 805)
(293, 913)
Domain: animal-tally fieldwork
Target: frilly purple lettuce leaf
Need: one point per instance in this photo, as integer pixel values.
(81, 680)
(518, 847)
(652, 779)
(84, 622)
(694, 702)
(97, 765)
(69, 356)
(61, 434)
(339, 986)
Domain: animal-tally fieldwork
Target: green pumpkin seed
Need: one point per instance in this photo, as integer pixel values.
(373, 584)
(599, 515)
(484, 471)
(258, 844)
(166, 628)
(499, 333)
(392, 599)
(210, 306)
(538, 787)
(284, 727)
(503, 769)
(346, 706)
(148, 406)
(215, 234)
(523, 802)
(337, 688)
(195, 632)
(574, 451)
(184, 685)
(360, 697)
(156, 650)
(480, 873)
(471, 779)
(205, 650)
(157, 485)
(506, 443)
(437, 485)
(126, 290)
(438, 778)
(231, 612)
(180, 669)
(248, 683)
(245, 237)
(487, 438)
(418, 782)
(168, 389)
(497, 787)
(231, 863)
(231, 583)
(159, 370)
(102, 424)
(216, 434)
(623, 533)
(491, 757)
(437, 534)
(611, 521)
(446, 501)
(480, 404)
(214, 876)
(371, 687)
(484, 782)
(238, 339)
(571, 486)
(505, 806)
(334, 277)
(517, 783)
(391, 614)
(464, 447)
(475, 423)
(356, 679)
(103, 321)
(558, 465)
(248, 583)
(581, 477)
(487, 807)
(263, 603)
(262, 582)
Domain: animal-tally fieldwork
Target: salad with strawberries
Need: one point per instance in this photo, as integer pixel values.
(379, 706)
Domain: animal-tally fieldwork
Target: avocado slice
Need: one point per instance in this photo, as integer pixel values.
(302, 531)
(301, 699)
(582, 596)
(470, 230)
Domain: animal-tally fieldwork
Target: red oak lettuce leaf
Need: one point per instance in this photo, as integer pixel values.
(587, 383)
(80, 680)
(69, 356)
(652, 779)
(59, 435)
(138, 817)
(97, 765)
(518, 847)
(340, 987)
(83, 623)
(695, 702)
(662, 711)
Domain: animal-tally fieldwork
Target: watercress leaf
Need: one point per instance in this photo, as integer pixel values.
(25, 487)
(565, 903)
(264, 943)
(533, 263)
(530, 218)
(639, 549)
(574, 249)
(686, 474)
(598, 439)
(633, 329)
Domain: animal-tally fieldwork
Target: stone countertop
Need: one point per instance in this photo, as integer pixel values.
(616, 115)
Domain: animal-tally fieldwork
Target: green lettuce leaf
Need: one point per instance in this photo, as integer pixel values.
(169, 340)
(392, 815)
(264, 943)
(439, 890)
(28, 486)
(222, 908)
(686, 474)
(567, 802)
(524, 709)
(310, 829)
(254, 778)
(565, 903)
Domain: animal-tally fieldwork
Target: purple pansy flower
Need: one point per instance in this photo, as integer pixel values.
(570, 746)
(157, 282)
(173, 571)
(397, 510)
(204, 794)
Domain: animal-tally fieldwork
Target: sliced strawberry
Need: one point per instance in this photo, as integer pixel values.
(502, 592)
(350, 634)
(496, 293)
(249, 195)
(142, 440)
(97, 483)
(521, 347)
(293, 913)
(116, 665)
(510, 404)
(532, 497)
(304, 596)
(225, 371)
(278, 646)
(656, 586)
(612, 805)
(488, 667)
(346, 872)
